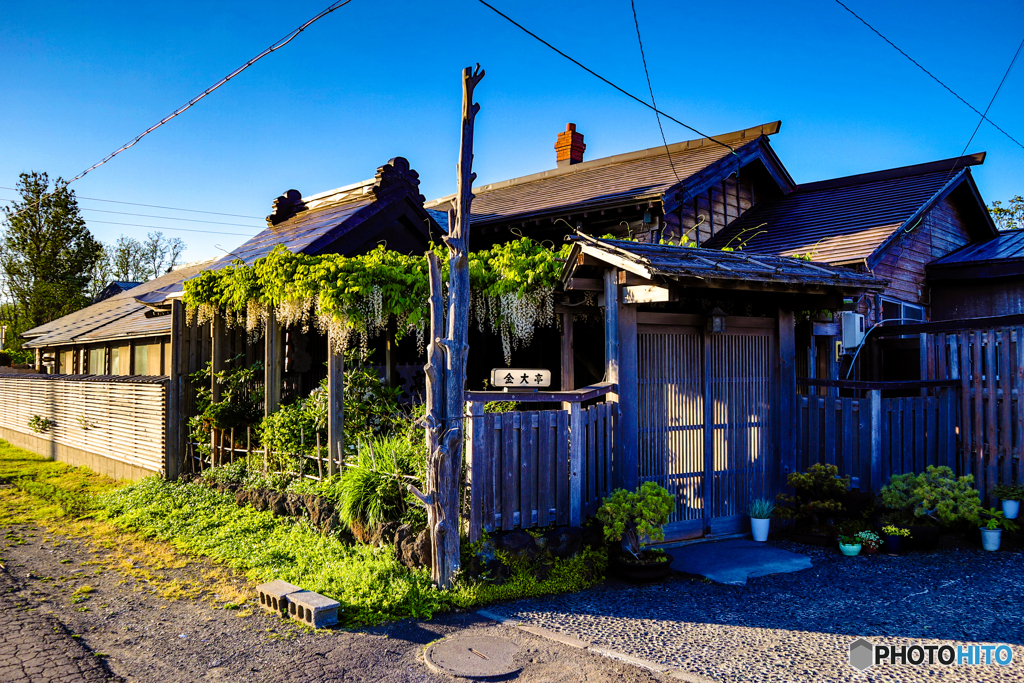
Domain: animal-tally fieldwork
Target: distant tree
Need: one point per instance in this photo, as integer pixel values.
(132, 260)
(47, 254)
(1010, 217)
(161, 254)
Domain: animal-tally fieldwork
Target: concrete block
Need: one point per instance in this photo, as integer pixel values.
(274, 595)
(316, 610)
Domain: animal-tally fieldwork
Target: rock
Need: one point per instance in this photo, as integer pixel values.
(295, 505)
(242, 498)
(383, 533)
(278, 504)
(564, 542)
(260, 499)
(405, 545)
(421, 550)
(519, 545)
(320, 510)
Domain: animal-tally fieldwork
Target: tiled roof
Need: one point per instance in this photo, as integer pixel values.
(645, 174)
(700, 265)
(842, 220)
(119, 316)
(1009, 244)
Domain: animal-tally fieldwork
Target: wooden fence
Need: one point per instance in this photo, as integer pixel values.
(535, 468)
(988, 365)
(119, 418)
(873, 438)
(228, 445)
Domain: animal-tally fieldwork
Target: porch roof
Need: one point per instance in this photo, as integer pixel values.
(700, 267)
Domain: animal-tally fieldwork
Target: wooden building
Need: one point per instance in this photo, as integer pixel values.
(984, 279)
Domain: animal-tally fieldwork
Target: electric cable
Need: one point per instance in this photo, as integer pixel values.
(152, 206)
(933, 76)
(166, 218)
(161, 227)
(650, 87)
(599, 76)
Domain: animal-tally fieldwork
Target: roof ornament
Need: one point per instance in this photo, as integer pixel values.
(397, 174)
(286, 206)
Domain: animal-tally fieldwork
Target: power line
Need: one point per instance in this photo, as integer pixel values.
(990, 102)
(933, 77)
(160, 227)
(152, 206)
(165, 218)
(647, 73)
(599, 76)
(188, 105)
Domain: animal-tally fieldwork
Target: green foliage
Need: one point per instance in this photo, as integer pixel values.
(46, 254)
(849, 540)
(1009, 217)
(358, 295)
(818, 497)
(40, 424)
(762, 508)
(1008, 492)
(934, 496)
(373, 485)
(892, 530)
(869, 539)
(372, 408)
(636, 515)
(994, 519)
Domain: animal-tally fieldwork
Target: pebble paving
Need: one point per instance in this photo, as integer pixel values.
(36, 648)
(798, 627)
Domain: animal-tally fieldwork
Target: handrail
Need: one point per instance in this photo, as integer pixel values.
(573, 396)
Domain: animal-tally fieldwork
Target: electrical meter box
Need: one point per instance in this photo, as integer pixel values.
(851, 329)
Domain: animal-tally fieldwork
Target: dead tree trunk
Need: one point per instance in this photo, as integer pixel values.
(446, 361)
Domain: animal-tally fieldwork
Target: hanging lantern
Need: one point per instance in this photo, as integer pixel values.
(716, 321)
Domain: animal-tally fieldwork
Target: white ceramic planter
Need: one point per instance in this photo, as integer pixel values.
(1011, 508)
(990, 538)
(759, 528)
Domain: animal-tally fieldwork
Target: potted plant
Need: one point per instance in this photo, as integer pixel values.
(817, 501)
(870, 542)
(929, 502)
(760, 512)
(992, 524)
(849, 545)
(1011, 495)
(894, 536)
(631, 517)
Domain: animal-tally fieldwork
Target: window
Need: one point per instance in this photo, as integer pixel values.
(97, 361)
(115, 361)
(896, 312)
(141, 359)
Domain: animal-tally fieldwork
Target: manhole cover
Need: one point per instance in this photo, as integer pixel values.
(473, 656)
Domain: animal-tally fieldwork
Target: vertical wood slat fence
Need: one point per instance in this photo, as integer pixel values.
(873, 438)
(539, 467)
(988, 364)
(228, 445)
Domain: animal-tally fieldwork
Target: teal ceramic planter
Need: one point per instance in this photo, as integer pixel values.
(849, 550)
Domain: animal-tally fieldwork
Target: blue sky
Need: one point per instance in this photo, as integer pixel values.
(380, 79)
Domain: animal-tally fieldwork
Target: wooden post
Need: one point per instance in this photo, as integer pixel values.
(708, 449)
(219, 338)
(335, 408)
(390, 357)
(577, 453)
(273, 364)
(787, 412)
(567, 360)
(611, 327)
(875, 400)
(475, 468)
(173, 441)
(627, 471)
(446, 405)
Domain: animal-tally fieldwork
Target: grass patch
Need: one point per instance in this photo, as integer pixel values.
(152, 525)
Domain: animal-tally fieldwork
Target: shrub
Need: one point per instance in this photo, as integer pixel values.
(893, 530)
(40, 424)
(1009, 492)
(373, 486)
(818, 499)
(5, 359)
(635, 515)
(241, 403)
(935, 496)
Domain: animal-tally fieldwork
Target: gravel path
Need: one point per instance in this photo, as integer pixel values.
(799, 626)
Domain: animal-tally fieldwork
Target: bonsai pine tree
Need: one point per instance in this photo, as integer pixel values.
(819, 496)
(635, 515)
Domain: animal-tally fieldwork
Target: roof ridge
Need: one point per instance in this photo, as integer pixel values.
(770, 128)
(890, 173)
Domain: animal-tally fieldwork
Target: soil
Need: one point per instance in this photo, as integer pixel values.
(126, 628)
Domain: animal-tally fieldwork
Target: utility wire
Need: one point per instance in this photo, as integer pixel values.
(276, 46)
(984, 116)
(152, 206)
(599, 76)
(990, 102)
(161, 227)
(647, 73)
(165, 218)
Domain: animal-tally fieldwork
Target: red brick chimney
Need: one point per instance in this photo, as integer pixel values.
(569, 147)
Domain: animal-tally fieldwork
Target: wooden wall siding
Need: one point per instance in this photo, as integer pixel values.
(915, 432)
(719, 206)
(713, 455)
(519, 467)
(941, 232)
(959, 299)
(990, 367)
(124, 420)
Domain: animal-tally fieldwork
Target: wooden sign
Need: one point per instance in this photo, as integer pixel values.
(531, 378)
